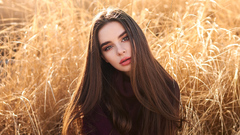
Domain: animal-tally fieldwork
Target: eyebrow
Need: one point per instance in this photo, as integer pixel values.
(105, 43)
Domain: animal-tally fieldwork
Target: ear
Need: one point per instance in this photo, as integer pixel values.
(104, 58)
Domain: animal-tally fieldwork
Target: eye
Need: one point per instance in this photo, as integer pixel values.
(107, 48)
(126, 38)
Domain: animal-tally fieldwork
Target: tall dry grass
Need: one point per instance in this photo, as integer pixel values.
(44, 44)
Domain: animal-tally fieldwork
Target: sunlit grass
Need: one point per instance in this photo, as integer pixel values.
(44, 50)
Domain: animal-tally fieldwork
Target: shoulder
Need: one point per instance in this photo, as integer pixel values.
(176, 89)
(173, 86)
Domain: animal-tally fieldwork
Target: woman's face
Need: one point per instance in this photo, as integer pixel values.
(115, 46)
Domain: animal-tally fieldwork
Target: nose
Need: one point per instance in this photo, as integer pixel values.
(120, 50)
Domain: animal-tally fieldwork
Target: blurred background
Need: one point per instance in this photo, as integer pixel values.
(42, 51)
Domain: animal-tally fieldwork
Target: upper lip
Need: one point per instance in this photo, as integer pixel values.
(123, 59)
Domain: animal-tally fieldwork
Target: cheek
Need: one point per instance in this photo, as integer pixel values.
(129, 47)
(107, 57)
(104, 58)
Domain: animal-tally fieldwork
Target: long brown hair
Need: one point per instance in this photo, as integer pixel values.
(149, 80)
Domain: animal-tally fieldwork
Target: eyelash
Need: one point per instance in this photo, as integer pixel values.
(126, 38)
(107, 48)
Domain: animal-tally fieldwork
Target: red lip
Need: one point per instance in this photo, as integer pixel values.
(125, 61)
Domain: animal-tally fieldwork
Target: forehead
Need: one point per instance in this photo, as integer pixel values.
(110, 31)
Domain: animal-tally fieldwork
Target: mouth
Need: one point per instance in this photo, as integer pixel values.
(125, 61)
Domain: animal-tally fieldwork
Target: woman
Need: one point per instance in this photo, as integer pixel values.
(123, 90)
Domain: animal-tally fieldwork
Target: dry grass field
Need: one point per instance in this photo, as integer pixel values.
(42, 51)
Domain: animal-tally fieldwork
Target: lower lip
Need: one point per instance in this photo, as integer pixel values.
(126, 62)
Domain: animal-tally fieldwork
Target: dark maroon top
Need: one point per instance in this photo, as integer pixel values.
(101, 124)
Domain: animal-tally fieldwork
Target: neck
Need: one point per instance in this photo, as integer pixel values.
(127, 73)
